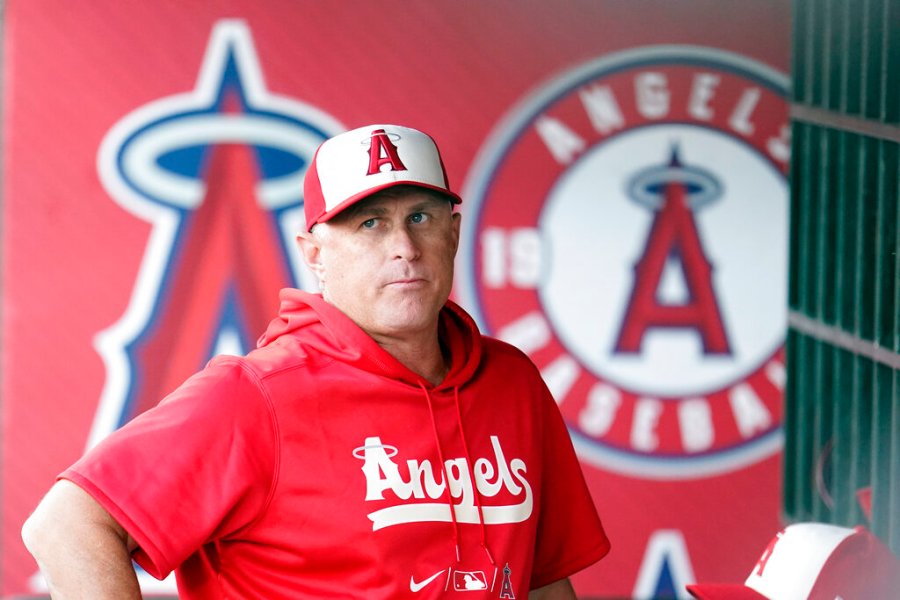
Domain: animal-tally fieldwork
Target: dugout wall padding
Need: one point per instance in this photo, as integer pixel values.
(843, 349)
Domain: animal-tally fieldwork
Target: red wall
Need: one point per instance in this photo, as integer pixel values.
(680, 437)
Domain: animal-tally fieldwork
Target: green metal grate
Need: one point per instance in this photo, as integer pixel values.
(843, 347)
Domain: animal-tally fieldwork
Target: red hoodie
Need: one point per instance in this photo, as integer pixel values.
(318, 466)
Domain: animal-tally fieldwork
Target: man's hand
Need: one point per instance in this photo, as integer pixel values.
(81, 550)
(558, 590)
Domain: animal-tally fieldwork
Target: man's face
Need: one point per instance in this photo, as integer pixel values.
(387, 262)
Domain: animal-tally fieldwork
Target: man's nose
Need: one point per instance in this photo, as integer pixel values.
(404, 244)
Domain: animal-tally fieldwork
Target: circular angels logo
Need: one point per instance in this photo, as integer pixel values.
(627, 229)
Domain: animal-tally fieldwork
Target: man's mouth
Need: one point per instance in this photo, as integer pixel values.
(407, 283)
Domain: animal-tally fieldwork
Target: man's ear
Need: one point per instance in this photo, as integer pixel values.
(311, 251)
(457, 219)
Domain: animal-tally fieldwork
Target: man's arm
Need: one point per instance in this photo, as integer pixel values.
(81, 550)
(558, 590)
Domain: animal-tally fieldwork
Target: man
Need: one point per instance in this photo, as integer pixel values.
(374, 445)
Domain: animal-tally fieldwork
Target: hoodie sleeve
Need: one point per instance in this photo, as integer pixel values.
(196, 468)
(570, 536)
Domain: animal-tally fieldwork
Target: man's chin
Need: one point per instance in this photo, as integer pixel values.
(410, 316)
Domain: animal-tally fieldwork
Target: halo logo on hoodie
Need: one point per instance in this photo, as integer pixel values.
(218, 171)
(628, 230)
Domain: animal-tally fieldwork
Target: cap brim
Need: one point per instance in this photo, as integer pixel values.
(724, 591)
(452, 197)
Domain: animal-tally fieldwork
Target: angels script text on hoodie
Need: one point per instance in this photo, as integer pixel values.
(383, 474)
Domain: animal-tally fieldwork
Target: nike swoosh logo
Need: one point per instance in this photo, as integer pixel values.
(415, 587)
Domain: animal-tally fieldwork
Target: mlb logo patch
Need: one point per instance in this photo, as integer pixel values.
(469, 581)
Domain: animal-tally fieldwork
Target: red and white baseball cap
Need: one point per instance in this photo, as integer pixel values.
(355, 164)
(816, 561)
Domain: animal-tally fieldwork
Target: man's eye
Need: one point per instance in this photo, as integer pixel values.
(368, 223)
(417, 218)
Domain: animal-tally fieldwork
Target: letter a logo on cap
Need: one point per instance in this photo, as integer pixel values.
(381, 142)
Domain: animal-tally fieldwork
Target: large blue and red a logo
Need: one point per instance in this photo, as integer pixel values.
(218, 171)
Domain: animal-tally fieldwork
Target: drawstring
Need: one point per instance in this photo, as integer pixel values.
(469, 467)
(437, 441)
(469, 464)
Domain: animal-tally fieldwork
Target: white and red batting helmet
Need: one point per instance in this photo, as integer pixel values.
(816, 561)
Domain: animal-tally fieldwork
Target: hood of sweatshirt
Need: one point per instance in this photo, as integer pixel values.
(321, 326)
